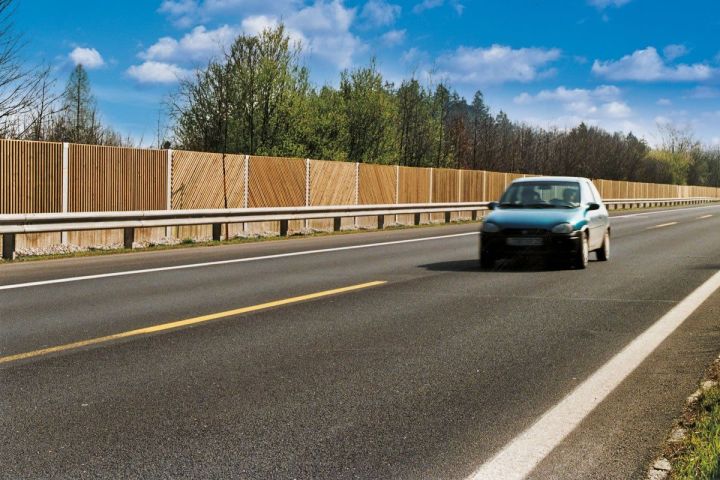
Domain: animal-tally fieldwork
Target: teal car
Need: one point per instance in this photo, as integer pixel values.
(561, 218)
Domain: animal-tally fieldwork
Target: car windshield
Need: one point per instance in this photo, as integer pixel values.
(542, 194)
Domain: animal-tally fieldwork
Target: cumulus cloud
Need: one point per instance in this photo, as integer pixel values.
(393, 37)
(379, 13)
(323, 28)
(157, 72)
(580, 102)
(87, 57)
(200, 44)
(496, 64)
(703, 92)
(617, 109)
(672, 52)
(647, 66)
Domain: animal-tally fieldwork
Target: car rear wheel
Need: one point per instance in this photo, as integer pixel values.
(581, 257)
(604, 253)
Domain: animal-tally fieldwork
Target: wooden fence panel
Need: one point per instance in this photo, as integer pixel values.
(472, 186)
(445, 185)
(495, 186)
(276, 182)
(197, 180)
(376, 184)
(116, 179)
(332, 183)
(30, 177)
(414, 185)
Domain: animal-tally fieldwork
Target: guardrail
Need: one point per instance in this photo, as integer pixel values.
(14, 224)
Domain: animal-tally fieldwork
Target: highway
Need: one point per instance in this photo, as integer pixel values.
(423, 367)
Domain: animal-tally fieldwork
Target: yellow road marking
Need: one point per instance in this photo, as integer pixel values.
(184, 323)
(703, 217)
(663, 225)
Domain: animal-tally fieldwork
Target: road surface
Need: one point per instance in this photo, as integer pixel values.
(429, 373)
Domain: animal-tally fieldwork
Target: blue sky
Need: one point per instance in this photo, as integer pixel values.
(621, 64)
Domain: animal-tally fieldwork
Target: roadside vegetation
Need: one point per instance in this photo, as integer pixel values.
(695, 454)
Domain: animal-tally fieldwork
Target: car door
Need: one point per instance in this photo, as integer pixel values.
(595, 218)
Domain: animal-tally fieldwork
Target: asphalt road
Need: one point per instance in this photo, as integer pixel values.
(425, 376)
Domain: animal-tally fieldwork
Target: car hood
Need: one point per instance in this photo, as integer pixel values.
(535, 217)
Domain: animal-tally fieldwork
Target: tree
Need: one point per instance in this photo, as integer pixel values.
(368, 106)
(79, 121)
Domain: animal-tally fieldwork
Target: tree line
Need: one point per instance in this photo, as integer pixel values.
(256, 98)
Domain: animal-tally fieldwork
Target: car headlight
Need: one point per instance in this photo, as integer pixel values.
(490, 227)
(563, 228)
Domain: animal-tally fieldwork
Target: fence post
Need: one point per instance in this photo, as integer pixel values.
(246, 176)
(432, 174)
(8, 248)
(357, 190)
(397, 189)
(307, 189)
(168, 180)
(65, 186)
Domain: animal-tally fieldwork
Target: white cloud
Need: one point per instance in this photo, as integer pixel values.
(602, 4)
(617, 109)
(394, 37)
(157, 72)
(647, 66)
(664, 102)
(379, 13)
(496, 64)
(87, 57)
(672, 52)
(430, 4)
(199, 45)
(323, 27)
(569, 95)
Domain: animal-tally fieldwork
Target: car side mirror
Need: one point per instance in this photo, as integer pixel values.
(492, 205)
(593, 206)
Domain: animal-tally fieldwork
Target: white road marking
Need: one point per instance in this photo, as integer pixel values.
(519, 457)
(228, 262)
(704, 217)
(662, 225)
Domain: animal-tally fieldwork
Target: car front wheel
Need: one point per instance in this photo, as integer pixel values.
(582, 254)
(604, 253)
(487, 260)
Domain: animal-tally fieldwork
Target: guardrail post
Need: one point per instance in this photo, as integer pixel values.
(216, 232)
(8, 249)
(337, 224)
(473, 215)
(283, 228)
(416, 220)
(128, 237)
(447, 217)
(381, 222)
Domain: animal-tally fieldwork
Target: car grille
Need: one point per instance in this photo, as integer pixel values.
(525, 231)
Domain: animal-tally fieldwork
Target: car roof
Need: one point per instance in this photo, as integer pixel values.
(549, 179)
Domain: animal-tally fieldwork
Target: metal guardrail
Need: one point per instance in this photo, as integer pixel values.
(13, 224)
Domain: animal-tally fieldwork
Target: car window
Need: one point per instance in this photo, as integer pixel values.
(542, 194)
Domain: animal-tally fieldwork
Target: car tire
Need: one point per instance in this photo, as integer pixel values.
(487, 260)
(603, 254)
(581, 256)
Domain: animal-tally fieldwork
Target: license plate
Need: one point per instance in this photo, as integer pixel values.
(524, 241)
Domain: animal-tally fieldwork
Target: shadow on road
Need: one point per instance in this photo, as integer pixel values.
(516, 265)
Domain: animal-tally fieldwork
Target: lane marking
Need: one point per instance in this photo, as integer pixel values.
(704, 217)
(185, 323)
(658, 212)
(662, 225)
(228, 262)
(519, 457)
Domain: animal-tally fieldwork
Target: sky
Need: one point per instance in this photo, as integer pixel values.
(624, 65)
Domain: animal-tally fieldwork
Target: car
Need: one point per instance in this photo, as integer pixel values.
(561, 218)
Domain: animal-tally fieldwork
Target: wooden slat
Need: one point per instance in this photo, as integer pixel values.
(332, 183)
(414, 185)
(197, 180)
(276, 182)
